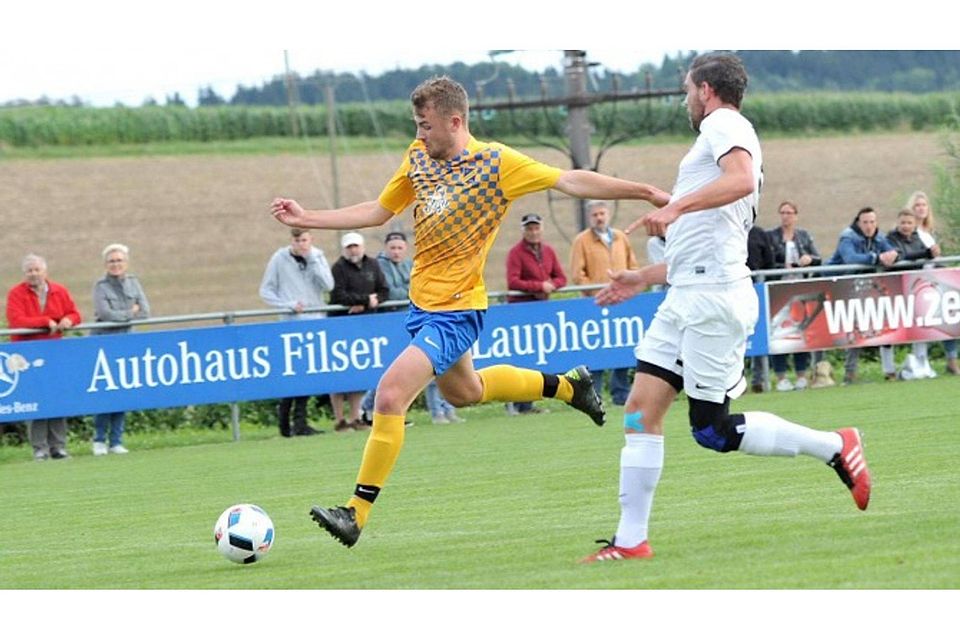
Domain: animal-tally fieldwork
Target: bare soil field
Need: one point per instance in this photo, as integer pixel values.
(200, 233)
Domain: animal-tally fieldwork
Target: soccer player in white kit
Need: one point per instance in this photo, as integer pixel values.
(697, 339)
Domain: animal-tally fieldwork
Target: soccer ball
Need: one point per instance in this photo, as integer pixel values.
(243, 533)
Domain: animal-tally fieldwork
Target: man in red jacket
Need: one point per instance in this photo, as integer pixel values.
(532, 267)
(532, 264)
(39, 303)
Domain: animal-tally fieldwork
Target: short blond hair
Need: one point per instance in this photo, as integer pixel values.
(445, 95)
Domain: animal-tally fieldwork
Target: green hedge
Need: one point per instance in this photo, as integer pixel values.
(771, 113)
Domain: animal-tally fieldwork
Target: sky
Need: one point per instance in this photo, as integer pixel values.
(106, 51)
(132, 76)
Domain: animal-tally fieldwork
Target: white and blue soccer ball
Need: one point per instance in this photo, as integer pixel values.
(244, 533)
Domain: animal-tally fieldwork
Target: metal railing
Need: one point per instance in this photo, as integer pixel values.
(230, 317)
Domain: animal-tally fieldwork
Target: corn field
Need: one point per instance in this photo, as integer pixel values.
(771, 113)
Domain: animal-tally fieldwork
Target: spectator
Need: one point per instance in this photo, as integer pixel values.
(861, 244)
(597, 251)
(39, 303)
(295, 279)
(910, 247)
(919, 203)
(532, 267)
(359, 284)
(656, 253)
(117, 297)
(759, 257)
(793, 248)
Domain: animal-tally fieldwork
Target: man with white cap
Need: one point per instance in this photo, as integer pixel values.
(359, 285)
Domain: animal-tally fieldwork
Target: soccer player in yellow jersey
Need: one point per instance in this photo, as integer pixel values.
(461, 190)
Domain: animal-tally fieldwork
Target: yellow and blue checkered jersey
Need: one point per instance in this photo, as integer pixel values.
(458, 207)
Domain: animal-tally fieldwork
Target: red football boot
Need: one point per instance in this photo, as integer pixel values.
(612, 552)
(851, 465)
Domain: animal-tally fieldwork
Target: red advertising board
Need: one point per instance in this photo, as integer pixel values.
(863, 310)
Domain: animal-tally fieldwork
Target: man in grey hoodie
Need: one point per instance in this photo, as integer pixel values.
(295, 279)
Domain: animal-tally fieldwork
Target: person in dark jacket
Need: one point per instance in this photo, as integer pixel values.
(860, 243)
(907, 241)
(910, 247)
(793, 248)
(359, 285)
(759, 257)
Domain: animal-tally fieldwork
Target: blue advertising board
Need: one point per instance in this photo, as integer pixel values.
(122, 372)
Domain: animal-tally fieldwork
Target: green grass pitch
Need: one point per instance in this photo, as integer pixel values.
(504, 503)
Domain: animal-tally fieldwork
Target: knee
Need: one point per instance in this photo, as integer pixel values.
(713, 428)
(390, 401)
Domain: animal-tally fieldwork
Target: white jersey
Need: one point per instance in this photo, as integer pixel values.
(710, 246)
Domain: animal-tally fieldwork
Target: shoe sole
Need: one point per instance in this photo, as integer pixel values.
(593, 559)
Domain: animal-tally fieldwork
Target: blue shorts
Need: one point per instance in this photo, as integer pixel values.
(444, 335)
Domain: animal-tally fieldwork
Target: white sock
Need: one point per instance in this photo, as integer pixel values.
(765, 434)
(641, 462)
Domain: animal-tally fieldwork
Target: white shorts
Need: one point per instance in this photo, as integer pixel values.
(700, 333)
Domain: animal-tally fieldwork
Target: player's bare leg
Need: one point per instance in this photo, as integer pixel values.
(403, 381)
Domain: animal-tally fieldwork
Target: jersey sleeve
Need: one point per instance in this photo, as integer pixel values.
(521, 174)
(398, 194)
(727, 133)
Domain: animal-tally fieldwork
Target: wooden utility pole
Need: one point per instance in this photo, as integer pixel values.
(332, 134)
(291, 95)
(579, 129)
(578, 101)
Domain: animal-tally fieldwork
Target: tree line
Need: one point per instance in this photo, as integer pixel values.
(770, 71)
(790, 113)
(909, 71)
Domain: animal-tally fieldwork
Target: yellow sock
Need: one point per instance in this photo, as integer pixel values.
(379, 455)
(505, 383)
(564, 389)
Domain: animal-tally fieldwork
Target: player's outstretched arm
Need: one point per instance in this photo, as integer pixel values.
(358, 216)
(626, 284)
(582, 184)
(735, 182)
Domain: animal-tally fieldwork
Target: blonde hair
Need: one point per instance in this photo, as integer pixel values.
(111, 248)
(927, 224)
(445, 95)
